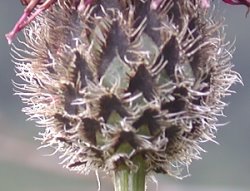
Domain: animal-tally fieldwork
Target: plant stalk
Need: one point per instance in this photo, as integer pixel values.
(129, 180)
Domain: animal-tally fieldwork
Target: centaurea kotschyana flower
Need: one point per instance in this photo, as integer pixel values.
(125, 88)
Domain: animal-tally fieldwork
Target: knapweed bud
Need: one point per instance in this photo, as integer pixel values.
(118, 82)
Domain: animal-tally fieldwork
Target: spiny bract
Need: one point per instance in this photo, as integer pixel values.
(119, 80)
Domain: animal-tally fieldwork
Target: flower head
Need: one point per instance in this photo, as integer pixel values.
(120, 81)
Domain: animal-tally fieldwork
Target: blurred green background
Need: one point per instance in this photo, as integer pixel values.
(225, 167)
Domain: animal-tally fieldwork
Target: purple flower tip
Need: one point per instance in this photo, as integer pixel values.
(28, 16)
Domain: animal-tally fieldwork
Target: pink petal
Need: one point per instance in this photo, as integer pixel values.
(205, 3)
(28, 16)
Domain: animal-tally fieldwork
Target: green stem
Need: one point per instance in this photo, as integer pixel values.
(127, 180)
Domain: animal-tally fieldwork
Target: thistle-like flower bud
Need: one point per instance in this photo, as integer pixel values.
(119, 83)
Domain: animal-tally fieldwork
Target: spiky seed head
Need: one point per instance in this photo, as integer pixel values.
(119, 79)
